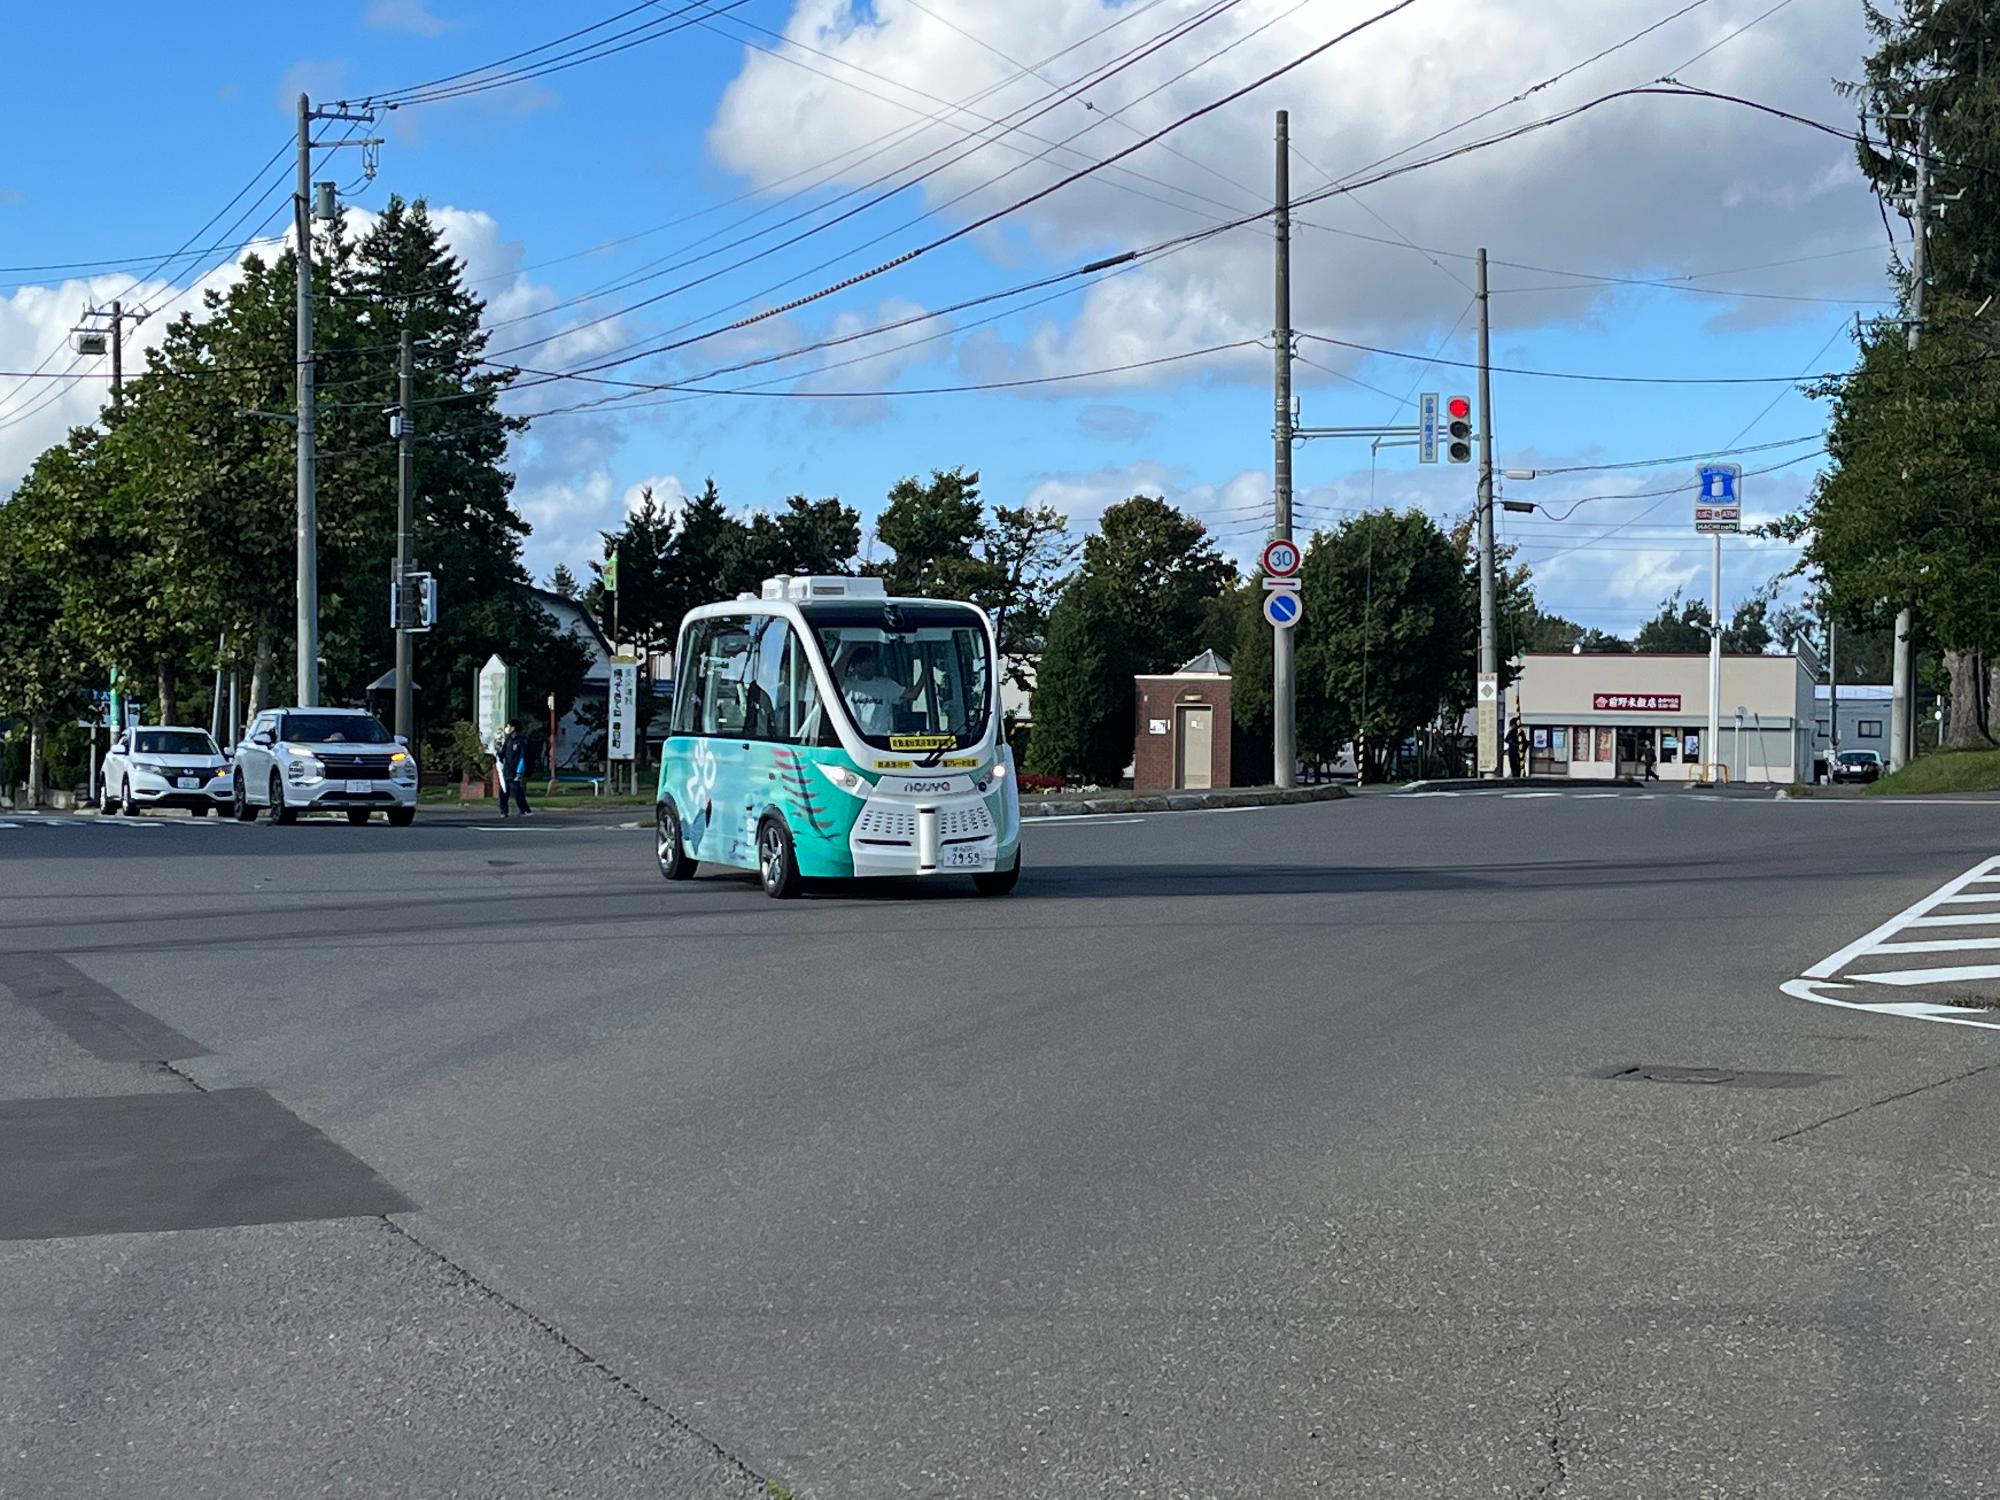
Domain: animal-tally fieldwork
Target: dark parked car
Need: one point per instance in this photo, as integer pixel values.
(1857, 765)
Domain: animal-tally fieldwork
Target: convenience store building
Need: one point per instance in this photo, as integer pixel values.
(1602, 715)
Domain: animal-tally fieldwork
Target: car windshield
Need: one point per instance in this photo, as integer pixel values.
(1857, 757)
(173, 742)
(334, 729)
(914, 677)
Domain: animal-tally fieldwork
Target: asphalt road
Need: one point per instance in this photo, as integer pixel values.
(1238, 1154)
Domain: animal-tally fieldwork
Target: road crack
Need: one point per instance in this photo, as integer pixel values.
(1922, 1088)
(1557, 1441)
(673, 1418)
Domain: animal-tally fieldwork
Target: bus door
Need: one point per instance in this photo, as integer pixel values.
(714, 792)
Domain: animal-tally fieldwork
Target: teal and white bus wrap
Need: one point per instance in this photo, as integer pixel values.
(826, 730)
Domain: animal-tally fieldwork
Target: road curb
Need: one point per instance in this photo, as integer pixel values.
(1151, 802)
(1523, 783)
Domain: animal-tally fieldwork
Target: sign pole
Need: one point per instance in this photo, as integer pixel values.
(1715, 648)
(1284, 748)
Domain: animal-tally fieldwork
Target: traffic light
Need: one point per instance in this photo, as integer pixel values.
(1458, 429)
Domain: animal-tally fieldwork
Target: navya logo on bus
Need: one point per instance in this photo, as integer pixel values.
(930, 788)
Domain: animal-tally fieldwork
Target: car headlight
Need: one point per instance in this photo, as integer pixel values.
(149, 767)
(401, 767)
(304, 768)
(854, 784)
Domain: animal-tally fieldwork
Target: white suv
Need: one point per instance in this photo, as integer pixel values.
(164, 765)
(296, 760)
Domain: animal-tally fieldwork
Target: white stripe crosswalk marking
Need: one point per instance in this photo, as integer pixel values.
(1938, 945)
(1957, 919)
(1969, 898)
(1933, 976)
(1833, 963)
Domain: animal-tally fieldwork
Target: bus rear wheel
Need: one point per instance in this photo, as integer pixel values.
(999, 882)
(672, 848)
(777, 863)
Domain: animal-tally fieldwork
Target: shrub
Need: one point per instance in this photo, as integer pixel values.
(1034, 783)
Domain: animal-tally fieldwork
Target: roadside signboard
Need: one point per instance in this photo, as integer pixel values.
(1282, 607)
(1281, 559)
(1663, 703)
(622, 722)
(493, 700)
(1718, 501)
(1489, 722)
(1427, 428)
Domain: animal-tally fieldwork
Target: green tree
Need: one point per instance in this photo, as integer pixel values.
(935, 530)
(1680, 625)
(1140, 602)
(42, 663)
(562, 582)
(804, 536)
(1029, 552)
(645, 548)
(1388, 630)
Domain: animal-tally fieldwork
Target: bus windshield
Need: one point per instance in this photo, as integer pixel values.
(915, 677)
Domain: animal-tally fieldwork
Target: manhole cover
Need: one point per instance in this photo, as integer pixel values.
(1727, 1078)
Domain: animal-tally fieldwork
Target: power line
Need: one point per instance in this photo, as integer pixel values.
(1462, 364)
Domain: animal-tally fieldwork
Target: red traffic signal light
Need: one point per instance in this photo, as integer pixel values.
(1458, 429)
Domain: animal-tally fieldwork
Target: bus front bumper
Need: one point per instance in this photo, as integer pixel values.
(949, 836)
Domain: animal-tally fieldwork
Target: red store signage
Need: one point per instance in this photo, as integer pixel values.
(1662, 703)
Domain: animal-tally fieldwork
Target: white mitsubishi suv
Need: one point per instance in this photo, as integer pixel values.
(296, 760)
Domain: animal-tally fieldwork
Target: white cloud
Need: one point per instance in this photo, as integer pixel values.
(403, 15)
(667, 490)
(1638, 186)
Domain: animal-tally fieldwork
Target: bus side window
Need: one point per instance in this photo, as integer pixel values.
(725, 674)
(688, 694)
(767, 713)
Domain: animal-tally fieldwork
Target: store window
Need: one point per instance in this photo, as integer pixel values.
(1691, 746)
(1670, 746)
(1605, 743)
(1869, 729)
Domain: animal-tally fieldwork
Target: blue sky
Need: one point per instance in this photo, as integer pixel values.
(685, 135)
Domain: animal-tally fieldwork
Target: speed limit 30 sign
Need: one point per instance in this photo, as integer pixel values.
(1282, 558)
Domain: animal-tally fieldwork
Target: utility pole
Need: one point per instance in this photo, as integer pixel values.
(308, 456)
(306, 416)
(406, 465)
(1902, 708)
(117, 353)
(1489, 635)
(1832, 695)
(1284, 745)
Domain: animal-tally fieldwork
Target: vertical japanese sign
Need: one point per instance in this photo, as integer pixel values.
(622, 722)
(1489, 722)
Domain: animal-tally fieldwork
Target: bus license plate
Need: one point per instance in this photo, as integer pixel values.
(360, 788)
(965, 859)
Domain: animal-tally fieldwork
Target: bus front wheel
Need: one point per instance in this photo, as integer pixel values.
(777, 864)
(674, 862)
(999, 882)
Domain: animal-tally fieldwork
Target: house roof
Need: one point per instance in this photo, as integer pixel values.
(1207, 662)
(560, 607)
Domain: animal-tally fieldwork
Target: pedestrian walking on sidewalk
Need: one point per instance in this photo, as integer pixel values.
(1651, 758)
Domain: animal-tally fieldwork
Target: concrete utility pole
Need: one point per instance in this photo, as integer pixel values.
(117, 353)
(308, 458)
(1284, 743)
(1489, 634)
(1902, 710)
(406, 464)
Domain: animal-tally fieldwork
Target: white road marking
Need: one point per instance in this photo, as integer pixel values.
(1933, 976)
(1820, 985)
(1107, 819)
(1531, 794)
(1836, 961)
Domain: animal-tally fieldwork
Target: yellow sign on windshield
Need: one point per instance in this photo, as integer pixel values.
(923, 742)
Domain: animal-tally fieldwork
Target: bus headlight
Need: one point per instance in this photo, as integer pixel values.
(852, 783)
(999, 770)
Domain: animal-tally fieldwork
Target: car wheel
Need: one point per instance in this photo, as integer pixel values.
(108, 804)
(239, 801)
(279, 812)
(999, 882)
(357, 815)
(125, 803)
(402, 817)
(670, 847)
(777, 864)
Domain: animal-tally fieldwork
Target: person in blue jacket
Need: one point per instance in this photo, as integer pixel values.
(512, 765)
